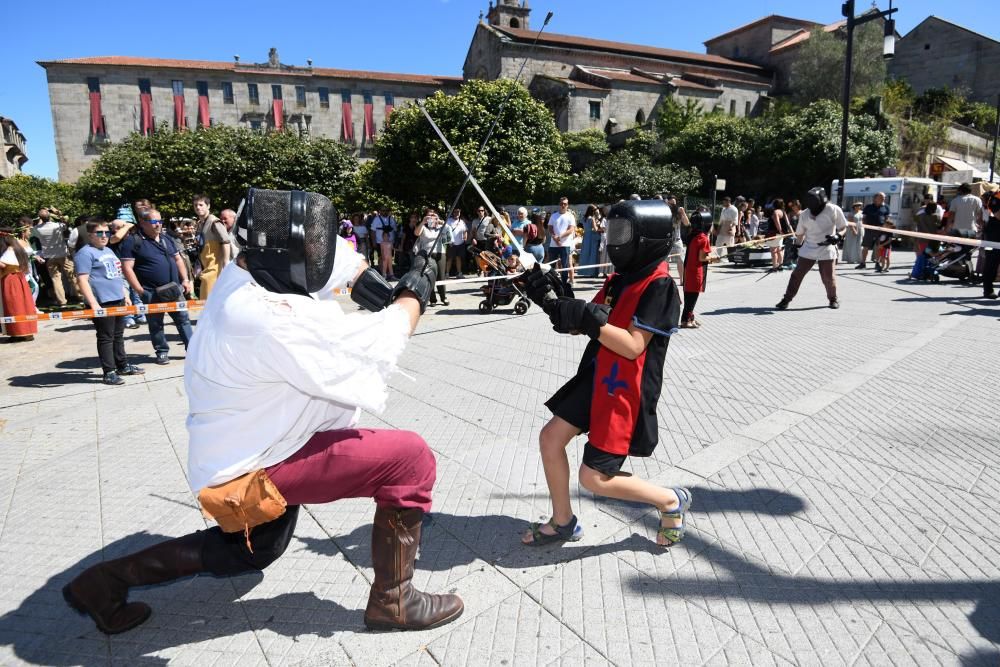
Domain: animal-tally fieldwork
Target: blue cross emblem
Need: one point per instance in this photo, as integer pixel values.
(612, 380)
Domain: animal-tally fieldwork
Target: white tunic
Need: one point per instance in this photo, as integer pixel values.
(814, 231)
(266, 371)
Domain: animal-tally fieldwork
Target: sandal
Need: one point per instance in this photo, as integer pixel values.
(675, 534)
(571, 532)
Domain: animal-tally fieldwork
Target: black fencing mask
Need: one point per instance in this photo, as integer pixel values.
(639, 232)
(701, 221)
(288, 239)
(815, 200)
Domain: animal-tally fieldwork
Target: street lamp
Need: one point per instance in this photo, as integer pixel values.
(888, 51)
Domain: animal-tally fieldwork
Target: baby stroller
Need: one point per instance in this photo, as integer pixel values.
(952, 261)
(499, 292)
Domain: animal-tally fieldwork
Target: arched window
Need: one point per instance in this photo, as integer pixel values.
(640, 117)
(514, 23)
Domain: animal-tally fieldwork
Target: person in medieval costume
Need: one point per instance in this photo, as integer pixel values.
(821, 227)
(614, 393)
(276, 378)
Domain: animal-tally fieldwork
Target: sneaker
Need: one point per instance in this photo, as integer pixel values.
(130, 369)
(989, 295)
(131, 324)
(862, 266)
(835, 304)
(112, 379)
(783, 304)
(696, 324)
(162, 359)
(445, 302)
(687, 325)
(140, 320)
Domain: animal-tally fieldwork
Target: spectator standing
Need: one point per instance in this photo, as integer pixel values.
(534, 236)
(456, 251)
(214, 253)
(602, 248)
(15, 295)
(855, 232)
(384, 228)
(23, 233)
(347, 233)
(517, 226)
(591, 248)
(228, 218)
(967, 211)
(776, 225)
(429, 228)
(119, 230)
(153, 267)
(562, 235)
(477, 230)
(99, 272)
(991, 232)
(926, 221)
(883, 248)
(51, 235)
(682, 227)
(751, 221)
(729, 220)
(874, 214)
(363, 235)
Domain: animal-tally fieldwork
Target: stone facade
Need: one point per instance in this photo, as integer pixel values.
(14, 152)
(304, 111)
(610, 85)
(941, 54)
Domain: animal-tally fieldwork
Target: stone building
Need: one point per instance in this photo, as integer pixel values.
(594, 83)
(99, 100)
(941, 54)
(14, 154)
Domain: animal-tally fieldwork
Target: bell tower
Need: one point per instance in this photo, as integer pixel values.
(509, 14)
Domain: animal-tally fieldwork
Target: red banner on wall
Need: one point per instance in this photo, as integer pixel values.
(369, 129)
(96, 117)
(204, 119)
(346, 123)
(145, 113)
(278, 109)
(388, 111)
(179, 121)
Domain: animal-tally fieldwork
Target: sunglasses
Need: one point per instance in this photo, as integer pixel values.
(101, 234)
(155, 222)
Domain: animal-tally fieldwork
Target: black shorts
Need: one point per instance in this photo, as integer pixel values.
(869, 239)
(572, 403)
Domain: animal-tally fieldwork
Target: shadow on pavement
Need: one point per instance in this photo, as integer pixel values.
(749, 581)
(56, 379)
(44, 630)
(741, 310)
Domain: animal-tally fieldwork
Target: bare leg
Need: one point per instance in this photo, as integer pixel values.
(552, 441)
(626, 487)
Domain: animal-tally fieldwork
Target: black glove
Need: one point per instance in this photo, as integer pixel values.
(577, 316)
(542, 286)
(832, 239)
(419, 279)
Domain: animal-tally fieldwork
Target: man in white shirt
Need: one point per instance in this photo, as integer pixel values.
(276, 379)
(51, 236)
(967, 212)
(383, 226)
(728, 220)
(820, 223)
(456, 251)
(562, 232)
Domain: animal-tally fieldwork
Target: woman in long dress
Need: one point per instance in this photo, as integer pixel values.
(15, 296)
(590, 250)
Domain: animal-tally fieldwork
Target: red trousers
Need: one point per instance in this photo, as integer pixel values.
(396, 468)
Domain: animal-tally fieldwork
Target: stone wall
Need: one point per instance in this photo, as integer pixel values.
(754, 44)
(70, 104)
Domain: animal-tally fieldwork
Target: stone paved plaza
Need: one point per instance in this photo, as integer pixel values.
(845, 468)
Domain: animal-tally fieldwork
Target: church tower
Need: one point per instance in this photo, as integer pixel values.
(509, 14)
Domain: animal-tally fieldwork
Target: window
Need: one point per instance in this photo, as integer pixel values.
(227, 92)
(747, 109)
(204, 119)
(595, 111)
(640, 117)
(253, 93)
(146, 122)
(390, 105)
(324, 97)
(346, 121)
(300, 96)
(256, 125)
(368, 131)
(180, 121)
(732, 107)
(276, 91)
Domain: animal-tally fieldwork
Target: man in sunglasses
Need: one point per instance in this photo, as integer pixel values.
(153, 267)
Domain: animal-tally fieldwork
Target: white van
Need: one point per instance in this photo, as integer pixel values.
(903, 195)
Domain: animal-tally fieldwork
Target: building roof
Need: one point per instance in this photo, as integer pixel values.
(953, 25)
(239, 68)
(585, 43)
(771, 17)
(573, 83)
(801, 36)
(620, 75)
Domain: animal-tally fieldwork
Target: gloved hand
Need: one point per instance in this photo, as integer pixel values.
(542, 286)
(577, 316)
(832, 239)
(420, 280)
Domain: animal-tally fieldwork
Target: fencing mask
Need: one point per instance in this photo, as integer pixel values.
(639, 232)
(815, 200)
(288, 239)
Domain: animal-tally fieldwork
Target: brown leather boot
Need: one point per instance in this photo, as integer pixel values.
(394, 603)
(102, 590)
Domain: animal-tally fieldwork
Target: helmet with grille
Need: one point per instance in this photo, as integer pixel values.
(640, 232)
(288, 239)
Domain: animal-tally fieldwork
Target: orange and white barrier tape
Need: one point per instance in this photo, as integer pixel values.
(944, 238)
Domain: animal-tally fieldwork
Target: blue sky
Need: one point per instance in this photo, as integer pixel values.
(419, 36)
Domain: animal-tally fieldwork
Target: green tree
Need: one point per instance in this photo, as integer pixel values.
(818, 69)
(632, 170)
(170, 167)
(671, 117)
(523, 161)
(722, 145)
(24, 195)
(584, 148)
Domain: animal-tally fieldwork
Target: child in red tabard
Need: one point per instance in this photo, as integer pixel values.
(699, 256)
(614, 393)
